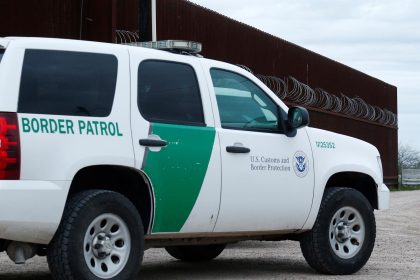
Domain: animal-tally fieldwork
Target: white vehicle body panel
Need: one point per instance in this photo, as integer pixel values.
(251, 193)
(349, 155)
(31, 210)
(49, 161)
(72, 152)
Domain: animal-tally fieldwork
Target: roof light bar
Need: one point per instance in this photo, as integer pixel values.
(178, 45)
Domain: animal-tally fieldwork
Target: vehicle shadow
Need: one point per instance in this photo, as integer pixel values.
(25, 276)
(227, 268)
(223, 268)
(250, 260)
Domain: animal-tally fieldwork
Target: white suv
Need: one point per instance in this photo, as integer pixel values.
(107, 150)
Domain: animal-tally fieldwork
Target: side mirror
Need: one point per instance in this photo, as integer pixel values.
(297, 117)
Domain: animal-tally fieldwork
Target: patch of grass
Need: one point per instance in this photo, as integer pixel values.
(405, 188)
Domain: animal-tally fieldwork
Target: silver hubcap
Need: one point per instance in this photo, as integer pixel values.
(107, 246)
(347, 232)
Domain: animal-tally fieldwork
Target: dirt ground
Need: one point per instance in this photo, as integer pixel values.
(396, 255)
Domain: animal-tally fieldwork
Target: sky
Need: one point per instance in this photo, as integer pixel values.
(379, 38)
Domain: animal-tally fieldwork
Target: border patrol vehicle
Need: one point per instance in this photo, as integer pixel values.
(107, 150)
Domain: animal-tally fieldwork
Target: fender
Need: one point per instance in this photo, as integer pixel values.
(322, 181)
(143, 197)
(345, 154)
(153, 199)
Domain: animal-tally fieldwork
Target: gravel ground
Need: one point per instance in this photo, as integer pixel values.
(396, 255)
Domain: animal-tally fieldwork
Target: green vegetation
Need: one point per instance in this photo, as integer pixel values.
(405, 188)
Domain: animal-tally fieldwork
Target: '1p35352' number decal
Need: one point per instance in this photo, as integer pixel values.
(325, 145)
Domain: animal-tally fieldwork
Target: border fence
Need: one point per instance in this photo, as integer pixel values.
(339, 98)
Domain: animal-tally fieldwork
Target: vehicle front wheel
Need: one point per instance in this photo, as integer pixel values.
(100, 237)
(343, 235)
(196, 253)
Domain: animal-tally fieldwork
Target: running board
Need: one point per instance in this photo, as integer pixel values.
(177, 239)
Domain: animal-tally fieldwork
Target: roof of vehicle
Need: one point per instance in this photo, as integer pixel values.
(81, 43)
(95, 46)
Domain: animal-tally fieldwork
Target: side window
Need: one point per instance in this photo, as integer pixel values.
(67, 83)
(242, 104)
(168, 92)
(1, 53)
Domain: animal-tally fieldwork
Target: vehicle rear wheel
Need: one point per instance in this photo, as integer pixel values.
(100, 237)
(196, 253)
(343, 235)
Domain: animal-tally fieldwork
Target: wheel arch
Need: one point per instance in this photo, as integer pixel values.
(359, 181)
(130, 182)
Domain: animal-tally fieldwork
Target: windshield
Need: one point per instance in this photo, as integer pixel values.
(1, 53)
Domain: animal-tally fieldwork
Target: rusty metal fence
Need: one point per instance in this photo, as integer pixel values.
(338, 97)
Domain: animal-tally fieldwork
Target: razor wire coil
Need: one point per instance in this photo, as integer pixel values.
(293, 90)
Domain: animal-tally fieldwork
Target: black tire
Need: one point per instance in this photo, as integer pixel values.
(195, 253)
(324, 247)
(66, 252)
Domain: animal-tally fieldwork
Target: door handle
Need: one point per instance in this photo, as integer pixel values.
(153, 142)
(237, 149)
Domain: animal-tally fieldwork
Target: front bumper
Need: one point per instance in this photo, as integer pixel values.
(383, 197)
(30, 211)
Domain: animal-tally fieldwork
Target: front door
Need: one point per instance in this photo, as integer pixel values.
(267, 177)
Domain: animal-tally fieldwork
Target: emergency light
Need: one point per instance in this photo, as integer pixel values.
(175, 45)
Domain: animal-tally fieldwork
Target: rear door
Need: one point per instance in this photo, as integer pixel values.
(175, 141)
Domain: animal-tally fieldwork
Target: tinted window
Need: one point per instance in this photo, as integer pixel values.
(242, 104)
(1, 54)
(168, 92)
(67, 83)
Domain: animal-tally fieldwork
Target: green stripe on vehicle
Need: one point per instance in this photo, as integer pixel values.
(177, 172)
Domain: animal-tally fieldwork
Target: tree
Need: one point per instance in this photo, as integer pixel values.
(407, 157)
